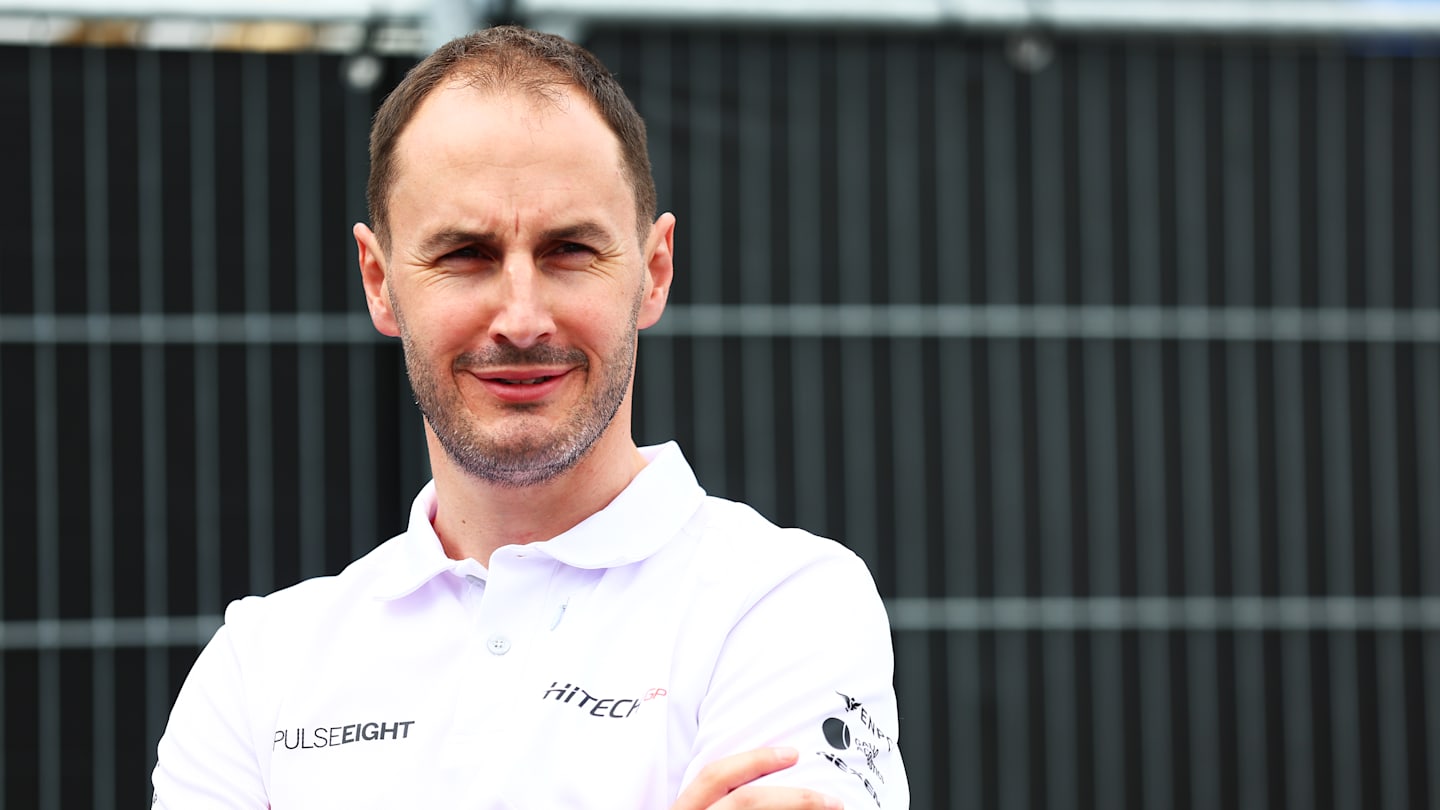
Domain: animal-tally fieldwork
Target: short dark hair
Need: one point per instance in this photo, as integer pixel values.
(500, 58)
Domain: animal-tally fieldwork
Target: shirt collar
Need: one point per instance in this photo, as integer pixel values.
(420, 555)
(641, 519)
(638, 523)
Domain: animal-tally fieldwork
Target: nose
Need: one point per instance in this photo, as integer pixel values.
(522, 313)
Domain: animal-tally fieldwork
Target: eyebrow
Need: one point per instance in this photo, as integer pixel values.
(451, 238)
(579, 232)
(447, 240)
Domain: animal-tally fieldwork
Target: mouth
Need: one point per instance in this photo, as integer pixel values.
(522, 386)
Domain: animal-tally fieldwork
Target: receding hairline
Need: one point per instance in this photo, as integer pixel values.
(524, 77)
(553, 96)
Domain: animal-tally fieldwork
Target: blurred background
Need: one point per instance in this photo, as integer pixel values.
(1106, 331)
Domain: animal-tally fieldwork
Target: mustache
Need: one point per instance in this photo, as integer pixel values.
(506, 354)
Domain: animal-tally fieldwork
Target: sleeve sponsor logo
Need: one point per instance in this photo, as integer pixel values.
(867, 720)
(331, 736)
(867, 741)
(837, 733)
(845, 766)
(614, 708)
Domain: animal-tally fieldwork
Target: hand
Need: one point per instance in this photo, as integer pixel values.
(725, 785)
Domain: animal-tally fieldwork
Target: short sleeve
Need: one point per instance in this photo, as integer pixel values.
(810, 665)
(207, 755)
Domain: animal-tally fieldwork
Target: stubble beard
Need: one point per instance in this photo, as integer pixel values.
(524, 456)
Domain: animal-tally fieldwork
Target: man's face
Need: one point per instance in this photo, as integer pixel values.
(515, 279)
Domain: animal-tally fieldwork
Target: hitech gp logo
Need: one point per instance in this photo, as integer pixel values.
(617, 708)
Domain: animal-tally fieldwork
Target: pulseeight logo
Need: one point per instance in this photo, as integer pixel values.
(331, 736)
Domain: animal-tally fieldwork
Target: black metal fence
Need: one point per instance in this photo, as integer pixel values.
(1120, 367)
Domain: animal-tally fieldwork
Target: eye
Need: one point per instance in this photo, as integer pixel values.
(571, 255)
(466, 256)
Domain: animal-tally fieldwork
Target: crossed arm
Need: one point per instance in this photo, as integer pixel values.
(725, 785)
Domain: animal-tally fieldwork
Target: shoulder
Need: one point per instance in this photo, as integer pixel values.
(735, 530)
(293, 616)
(739, 549)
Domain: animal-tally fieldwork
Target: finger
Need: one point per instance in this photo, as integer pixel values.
(765, 797)
(722, 776)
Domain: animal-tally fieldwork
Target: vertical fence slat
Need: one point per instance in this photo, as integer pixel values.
(1292, 454)
(758, 409)
(365, 528)
(1425, 199)
(807, 389)
(102, 517)
(310, 391)
(205, 301)
(1005, 390)
(5, 734)
(1383, 484)
(853, 107)
(1102, 467)
(1242, 423)
(708, 358)
(962, 664)
(1336, 450)
(1004, 384)
(153, 392)
(4, 572)
(46, 394)
(255, 189)
(908, 540)
(1197, 506)
(1055, 512)
(1143, 164)
(1425, 183)
(1427, 401)
(656, 383)
(908, 448)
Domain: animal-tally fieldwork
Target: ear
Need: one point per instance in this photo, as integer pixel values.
(372, 275)
(659, 269)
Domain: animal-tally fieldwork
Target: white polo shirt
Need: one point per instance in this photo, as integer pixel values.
(600, 669)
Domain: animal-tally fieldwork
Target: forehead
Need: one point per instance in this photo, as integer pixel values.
(484, 103)
(474, 146)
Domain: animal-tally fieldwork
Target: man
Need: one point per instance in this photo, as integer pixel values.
(568, 621)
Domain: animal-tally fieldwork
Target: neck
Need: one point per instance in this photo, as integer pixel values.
(474, 517)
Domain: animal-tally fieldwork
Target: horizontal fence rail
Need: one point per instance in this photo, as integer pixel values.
(1232, 324)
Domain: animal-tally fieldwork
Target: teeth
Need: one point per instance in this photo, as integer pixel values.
(535, 381)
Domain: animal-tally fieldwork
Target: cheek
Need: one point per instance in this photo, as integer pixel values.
(430, 347)
(447, 324)
(607, 327)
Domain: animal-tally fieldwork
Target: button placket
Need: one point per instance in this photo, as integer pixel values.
(512, 590)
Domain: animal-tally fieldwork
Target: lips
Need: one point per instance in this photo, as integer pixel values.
(522, 386)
